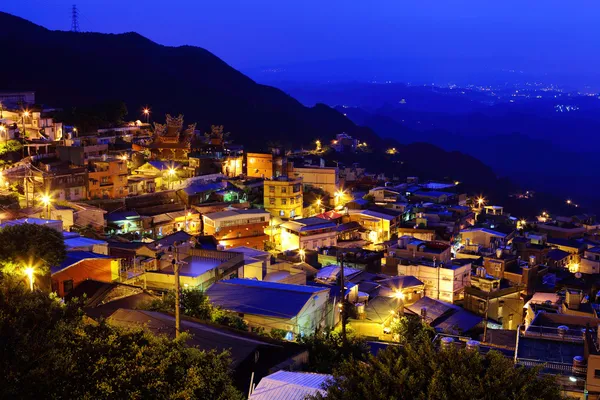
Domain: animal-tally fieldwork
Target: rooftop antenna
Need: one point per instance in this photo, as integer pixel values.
(74, 19)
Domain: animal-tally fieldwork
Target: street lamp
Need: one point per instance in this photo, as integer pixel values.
(302, 254)
(46, 200)
(29, 272)
(171, 173)
(75, 131)
(146, 112)
(400, 296)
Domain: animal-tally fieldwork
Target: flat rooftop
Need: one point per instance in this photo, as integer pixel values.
(194, 266)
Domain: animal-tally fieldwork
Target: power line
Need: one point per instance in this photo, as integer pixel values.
(74, 19)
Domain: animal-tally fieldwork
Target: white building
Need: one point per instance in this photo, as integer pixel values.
(445, 282)
(308, 233)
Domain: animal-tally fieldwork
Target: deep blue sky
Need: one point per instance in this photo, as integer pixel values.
(550, 35)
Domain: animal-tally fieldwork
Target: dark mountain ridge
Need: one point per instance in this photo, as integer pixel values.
(68, 69)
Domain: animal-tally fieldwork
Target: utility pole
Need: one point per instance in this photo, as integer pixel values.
(485, 319)
(175, 263)
(342, 299)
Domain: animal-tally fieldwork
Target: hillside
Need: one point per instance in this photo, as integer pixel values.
(70, 69)
(73, 69)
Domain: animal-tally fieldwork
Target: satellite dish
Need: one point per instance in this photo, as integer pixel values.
(577, 275)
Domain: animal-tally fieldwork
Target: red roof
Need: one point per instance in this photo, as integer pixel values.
(330, 215)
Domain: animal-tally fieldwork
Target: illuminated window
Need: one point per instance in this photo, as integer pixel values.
(283, 202)
(272, 201)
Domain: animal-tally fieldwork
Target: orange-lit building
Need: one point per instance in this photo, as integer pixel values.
(259, 165)
(80, 266)
(235, 228)
(107, 178)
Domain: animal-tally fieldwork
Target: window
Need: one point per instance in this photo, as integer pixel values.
(272, 201)
(68, 286)
(272, 189)
(597, 373)
(284, 190)
(281, 213)
(283, 202)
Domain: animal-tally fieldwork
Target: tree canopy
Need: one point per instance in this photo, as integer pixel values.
(195, 304)
(30, 244)
(326, 350)
(418, 370)
(50, 350)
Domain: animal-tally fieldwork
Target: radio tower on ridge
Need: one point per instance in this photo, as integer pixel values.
(74, 19)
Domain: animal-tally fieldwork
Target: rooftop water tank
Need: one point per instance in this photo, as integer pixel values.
(446, 342)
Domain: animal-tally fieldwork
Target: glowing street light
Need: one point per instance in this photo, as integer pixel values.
(399, 295)
(26, 114)
(146, 112)
(569, 201)
(46, 200)
(480, 201)
(302, 254)
(171, 172)
(29, 272)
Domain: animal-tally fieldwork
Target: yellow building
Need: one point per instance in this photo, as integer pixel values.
(325, 178)
(283, 197)
(232, 166)
(259, 165)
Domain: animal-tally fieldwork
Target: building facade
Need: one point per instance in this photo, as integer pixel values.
(259, 165)
(283, 197)
(107, 178)
(446, 282)
(324, 178)
(235, 228)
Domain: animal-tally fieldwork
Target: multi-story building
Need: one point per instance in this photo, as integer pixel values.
(507, 266)
(283, 197)
(445, 282)
(380, 223)
(324, 178)
(494, 299)
(107, 178)
(259, 165)
(60, 180)
(235, 228)
(590, 262)
(308, 233)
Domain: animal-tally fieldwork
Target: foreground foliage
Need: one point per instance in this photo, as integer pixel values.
(418, 370)
(326, 351)
(195, 304)
(30, 244)
(51, 351)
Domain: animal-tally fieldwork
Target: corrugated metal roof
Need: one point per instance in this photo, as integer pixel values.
(74, 257)
(262, 298)
(82, 242)
(287, 385)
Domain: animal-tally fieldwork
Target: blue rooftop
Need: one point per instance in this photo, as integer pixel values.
(432, 193)
(121, 216)
(261, 298)
(204, 187)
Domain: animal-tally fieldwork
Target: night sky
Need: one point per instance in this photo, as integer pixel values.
(538, 34)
